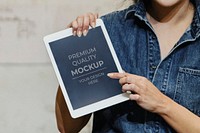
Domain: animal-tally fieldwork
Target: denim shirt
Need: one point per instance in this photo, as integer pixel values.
(177, 75)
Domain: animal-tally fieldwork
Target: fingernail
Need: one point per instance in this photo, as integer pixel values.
(128, 92)
(85, 32)
(79, 33)
(74, 33)
(93, 25)
(109, 74)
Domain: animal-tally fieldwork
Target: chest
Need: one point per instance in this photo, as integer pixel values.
(177, 76)
(168, 37)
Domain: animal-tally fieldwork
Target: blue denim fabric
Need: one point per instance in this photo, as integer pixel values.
(177, 75)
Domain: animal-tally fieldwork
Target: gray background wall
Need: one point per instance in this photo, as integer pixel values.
(27, 81)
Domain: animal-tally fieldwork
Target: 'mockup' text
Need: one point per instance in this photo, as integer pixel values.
(87, 68)
(85, 61)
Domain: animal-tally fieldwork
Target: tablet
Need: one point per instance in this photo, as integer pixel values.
(81, 65)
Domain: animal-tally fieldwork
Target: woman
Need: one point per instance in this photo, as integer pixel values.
(158, 45)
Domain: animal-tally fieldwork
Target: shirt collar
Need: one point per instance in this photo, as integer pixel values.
(138, 10)
(195, 26)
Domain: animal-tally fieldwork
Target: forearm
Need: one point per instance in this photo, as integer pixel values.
(66, 124)
(179, 118)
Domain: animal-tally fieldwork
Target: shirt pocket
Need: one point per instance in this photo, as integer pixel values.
(187, 92)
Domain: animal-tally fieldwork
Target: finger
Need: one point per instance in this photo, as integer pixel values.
(131, 87)
(86, 25)
(116, 75)
(124, 90)
(74, 26)
(128, 79)
(122, 81)
(80, 25)
(92, 20)
(134, 97)
(96, 15)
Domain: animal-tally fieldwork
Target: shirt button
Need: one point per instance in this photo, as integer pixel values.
(153, 37)
(153, 67)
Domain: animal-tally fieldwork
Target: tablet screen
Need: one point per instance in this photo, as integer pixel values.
(81, 65)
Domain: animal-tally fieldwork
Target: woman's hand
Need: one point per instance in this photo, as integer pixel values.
(151, 99)
(142, 91)
(81, 24)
